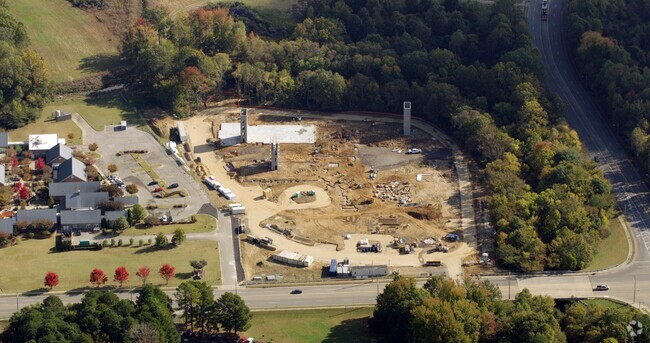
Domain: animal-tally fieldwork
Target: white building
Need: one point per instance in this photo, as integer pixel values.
(41, 143)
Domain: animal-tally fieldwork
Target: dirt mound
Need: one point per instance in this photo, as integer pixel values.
(118, 15)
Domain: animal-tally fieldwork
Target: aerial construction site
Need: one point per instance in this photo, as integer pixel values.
(344, 187)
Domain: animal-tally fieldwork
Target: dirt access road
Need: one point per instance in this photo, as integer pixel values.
(258, 209)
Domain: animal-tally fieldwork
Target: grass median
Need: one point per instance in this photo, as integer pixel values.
(323, 325)
(612, 250)
(27, 263)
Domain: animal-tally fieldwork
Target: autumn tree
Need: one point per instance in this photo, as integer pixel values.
(97, 277)
(167, 272)
(93, 146)
(39, 164)
(121, 275)
(143, 274)
(132, 188)
(24, 192)
(112, 168)
(51, 280)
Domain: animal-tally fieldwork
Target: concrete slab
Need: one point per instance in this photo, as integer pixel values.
(230, 135)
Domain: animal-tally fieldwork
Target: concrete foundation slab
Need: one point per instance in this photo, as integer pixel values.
(229, 134)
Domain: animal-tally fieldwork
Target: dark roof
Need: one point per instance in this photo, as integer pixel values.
(114, 215)
(59, 189)
(2, 173)
(72, 167)
(131, 200)
(31, 215)
(81, 217)
(4, 139)
(59, 150)
(7, 225)
(85, 200)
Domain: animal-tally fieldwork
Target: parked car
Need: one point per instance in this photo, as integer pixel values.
(153, 183)
(451, 237)
(602, 288)
(158, 189)
(296, 291)
(164, 219)
(413, 151)
(173, 185)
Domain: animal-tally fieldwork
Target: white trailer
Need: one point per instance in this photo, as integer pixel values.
(238, 210)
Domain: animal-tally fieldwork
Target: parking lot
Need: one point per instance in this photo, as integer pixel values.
(111, 141)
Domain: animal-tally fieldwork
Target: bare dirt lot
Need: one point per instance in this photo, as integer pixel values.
(365, 186)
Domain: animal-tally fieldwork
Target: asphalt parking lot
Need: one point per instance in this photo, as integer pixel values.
(111, 141)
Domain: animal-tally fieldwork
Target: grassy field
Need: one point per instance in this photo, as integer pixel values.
(46, 124)
(611, 250)
(204, 223)
(73, 42)
(32, 259)
(180, 6)
(326, 325)
(98, 110)
(608, 304)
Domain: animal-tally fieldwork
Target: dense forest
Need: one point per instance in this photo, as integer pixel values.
(611, 46)
(446, 311)
(467, 67)
(24, 85)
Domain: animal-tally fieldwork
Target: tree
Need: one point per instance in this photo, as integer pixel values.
(111, 205)
(161, 240)
(393, 311)
(137, 213)
(14, 162)
(167, 272)
(154, 307)
(93, 146)
(150, 221)
(97, 277)
(24, 193)
(120, 224)
(121, 275)
(132, 188)
(50, 202)
(178, 237)
(112, 168)
(39, 163)
(143, 333)
(51, 280)
(112, 189)
(232, 313)
(197, 301)
(143, 274)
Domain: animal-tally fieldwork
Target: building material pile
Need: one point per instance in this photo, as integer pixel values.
(393, 191)
(294, 259)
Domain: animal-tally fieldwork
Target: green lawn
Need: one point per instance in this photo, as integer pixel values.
(611, 250)
(29, 261)
(98, 110)
(326, 325)
(46, 124)
(72, 42)
(608, 304)
(204, 223)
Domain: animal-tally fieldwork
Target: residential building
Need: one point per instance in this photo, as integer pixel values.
(30, 216)
(71, 170)
(7, 226)
(39, 144)
(115, 215)
(58, 190)
(57, 155)
(83, 201)
(89, 220)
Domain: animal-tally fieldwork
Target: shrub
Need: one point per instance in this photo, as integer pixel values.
(161, 240)
(105, 243)
(132, 188)
(119, 242)
(93, 146)
(70, 135)
(131, 240)
(150, 221)
(112, 168)
(149, 241)
(112, 242)
(140, 242)
(30, 235)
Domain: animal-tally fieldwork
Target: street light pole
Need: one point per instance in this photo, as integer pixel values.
(634, 301)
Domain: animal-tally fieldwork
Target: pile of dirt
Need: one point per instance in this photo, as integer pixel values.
(119, 15)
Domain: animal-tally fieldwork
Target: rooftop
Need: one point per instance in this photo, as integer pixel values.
(59, 189)
(37, 214)
(72, 167)
(43, 141)
(59, 150)
(81, 217)
(4, 139)
(114, 215)
(7, 226)
(85, 200)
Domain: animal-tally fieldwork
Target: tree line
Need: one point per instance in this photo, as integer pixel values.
(467, 67)
(447, 311)
(24, 84)
(610, 43)
(104, 317)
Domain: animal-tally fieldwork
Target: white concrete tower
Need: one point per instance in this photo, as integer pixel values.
(275, 155)
(243, 120)
(407, 118)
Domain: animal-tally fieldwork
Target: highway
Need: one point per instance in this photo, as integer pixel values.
(629, 283)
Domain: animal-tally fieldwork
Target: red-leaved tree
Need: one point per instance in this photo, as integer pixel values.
(167, 272)
(51, 280)
(121, 275)
(39, 164)
(97, 277)
(24, 193)
(18, 186)
(143, 273)
(14, 162)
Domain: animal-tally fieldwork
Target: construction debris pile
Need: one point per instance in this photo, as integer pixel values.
(393, 191)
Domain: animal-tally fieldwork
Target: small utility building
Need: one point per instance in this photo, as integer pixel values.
(182, 135)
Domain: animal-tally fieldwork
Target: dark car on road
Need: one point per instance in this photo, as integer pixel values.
(296, 291)
(173, 185)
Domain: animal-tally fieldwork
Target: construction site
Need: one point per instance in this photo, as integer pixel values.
(358, 189)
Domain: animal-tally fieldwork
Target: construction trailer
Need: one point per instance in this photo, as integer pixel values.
(362, 272)
(333, 265)
(294, 258)
(182, 135)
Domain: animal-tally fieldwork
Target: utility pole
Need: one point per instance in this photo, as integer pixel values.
(634, 301)
(509, 287)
